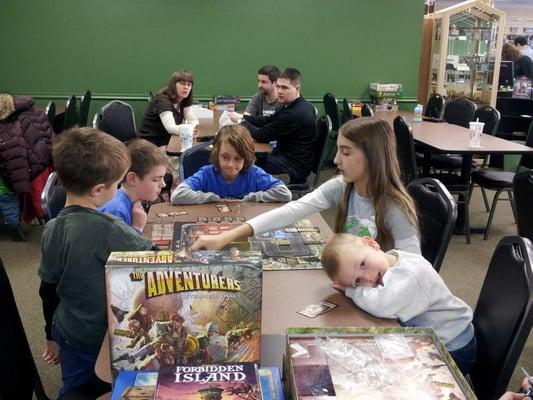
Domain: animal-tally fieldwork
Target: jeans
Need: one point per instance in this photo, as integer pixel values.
(465, 357)
(77, 366)
(275, 163)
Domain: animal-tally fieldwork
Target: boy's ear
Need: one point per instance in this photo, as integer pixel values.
(98, 189)
(367, 240)
(131, 178)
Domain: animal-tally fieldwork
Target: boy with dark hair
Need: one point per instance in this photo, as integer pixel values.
(143, 182)
(265, 101)
(75, 246)
(293, 127)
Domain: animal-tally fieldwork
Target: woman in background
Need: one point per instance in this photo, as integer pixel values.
(523, 65)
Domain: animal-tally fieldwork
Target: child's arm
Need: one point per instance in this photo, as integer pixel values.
(401, 296)
(183, 194)
(50, 301)
(277, 194)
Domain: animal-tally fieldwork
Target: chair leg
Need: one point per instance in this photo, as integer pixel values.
(491, 214)
(485, 200)
(511, 200)
(467, 221)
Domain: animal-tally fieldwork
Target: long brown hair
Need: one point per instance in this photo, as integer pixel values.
(170, 90)
(374, 137)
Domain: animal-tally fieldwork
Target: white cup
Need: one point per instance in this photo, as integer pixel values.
(186, 136)
(476, 129)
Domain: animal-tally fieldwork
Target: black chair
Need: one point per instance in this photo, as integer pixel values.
(503, 316)
(491, 118)
(501, 181)
(85, 103)
(71, 113)
(150, 96)
(191, 160)
(53, 197)
(523, 198)
(405, 149)
(346, 111)
(366, 111)
(325, 143)
(437, 213)
(117, 119)
(331, 108)
(50, 112)
(458, 112)
(20, 378)
(434, 106)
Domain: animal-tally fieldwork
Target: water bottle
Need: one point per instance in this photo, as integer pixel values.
(418, 113)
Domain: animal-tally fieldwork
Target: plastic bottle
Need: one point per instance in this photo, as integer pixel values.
(418, 113)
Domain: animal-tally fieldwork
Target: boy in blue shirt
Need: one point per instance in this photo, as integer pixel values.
(75, 247)
(143, 182)
(231, 174)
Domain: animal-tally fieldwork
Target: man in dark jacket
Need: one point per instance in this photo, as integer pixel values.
(293, 127)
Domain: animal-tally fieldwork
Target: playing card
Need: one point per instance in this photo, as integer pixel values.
(162, 214)
(228, 219)
(202, 219)
(223, 208)
(216, 219)
(240, 219)
(314, 310)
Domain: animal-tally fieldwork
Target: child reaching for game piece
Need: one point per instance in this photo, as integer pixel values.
(143, 182)
(370, 195)
(231, 174)
(401, 285)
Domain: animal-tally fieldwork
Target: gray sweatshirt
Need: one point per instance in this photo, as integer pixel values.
(415, 293)
(360, 219)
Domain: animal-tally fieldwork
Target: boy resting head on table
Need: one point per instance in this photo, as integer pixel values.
(401, 285)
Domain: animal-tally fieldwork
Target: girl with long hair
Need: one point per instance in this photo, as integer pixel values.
(370, 196)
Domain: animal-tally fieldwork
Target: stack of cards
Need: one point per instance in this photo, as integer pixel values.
(162, 235)
(314, 310)
(223, 208)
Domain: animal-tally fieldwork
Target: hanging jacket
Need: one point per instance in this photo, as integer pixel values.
(25, 142)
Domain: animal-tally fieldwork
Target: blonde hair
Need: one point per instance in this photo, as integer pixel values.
(375, 138)
(332, 253)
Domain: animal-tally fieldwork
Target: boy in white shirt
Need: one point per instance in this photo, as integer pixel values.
(401, 285)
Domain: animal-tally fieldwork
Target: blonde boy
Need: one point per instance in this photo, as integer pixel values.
(401, 285)
(143, 182)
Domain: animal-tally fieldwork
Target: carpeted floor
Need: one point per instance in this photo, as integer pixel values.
(463, 270)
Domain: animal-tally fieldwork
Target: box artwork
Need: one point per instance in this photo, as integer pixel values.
(209, 382)
(167, 309)
(372, 363)
(138, 385)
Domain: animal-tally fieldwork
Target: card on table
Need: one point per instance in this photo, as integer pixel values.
(223, 208)
(216, 219)
(227, 219)
(314, 310)
(203, 219)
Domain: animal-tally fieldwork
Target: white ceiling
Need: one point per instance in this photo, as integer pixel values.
(503, 4)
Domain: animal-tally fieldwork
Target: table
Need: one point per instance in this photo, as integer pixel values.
(207, 130)
(284, 292)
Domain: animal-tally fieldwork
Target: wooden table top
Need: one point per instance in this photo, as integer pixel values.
(208, 128)
(449, 138)
(284, 292)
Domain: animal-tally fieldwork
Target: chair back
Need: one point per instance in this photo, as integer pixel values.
(325, 142)
(85, 103)
(523, 197)
(434, 106)
(71, 113)
(490, 117)
(526, 161)
(53, 197)
(366, 111)
(50, 112)
(191, 160)
(346, 111)
(459, 111)
(405, 149)
(503, 316)
(437, 212)
(118, 120)
(20, 378)
(331, 108)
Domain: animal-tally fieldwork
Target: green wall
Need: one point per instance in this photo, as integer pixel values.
(123, 48)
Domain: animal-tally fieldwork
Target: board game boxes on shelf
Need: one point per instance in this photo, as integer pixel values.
(210, 382)
(135, 385)
(167, 308)
(371, 363)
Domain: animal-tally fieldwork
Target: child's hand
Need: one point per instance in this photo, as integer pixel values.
(339, 287)
(51, 352)
(138, 216)
(513, 396)
(208, 242)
